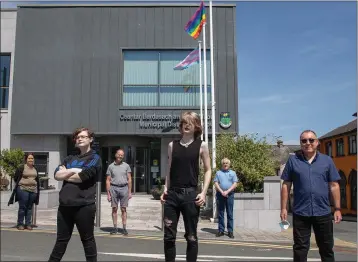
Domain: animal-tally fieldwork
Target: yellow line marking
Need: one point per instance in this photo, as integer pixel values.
(142, 237)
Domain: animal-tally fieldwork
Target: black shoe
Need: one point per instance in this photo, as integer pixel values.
(125, 232)
(114, 231)
(219, 234)
(230, 235)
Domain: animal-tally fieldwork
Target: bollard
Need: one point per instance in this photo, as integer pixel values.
(98, 205)
(34, 213)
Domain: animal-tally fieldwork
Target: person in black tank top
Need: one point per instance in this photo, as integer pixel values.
(181, 184)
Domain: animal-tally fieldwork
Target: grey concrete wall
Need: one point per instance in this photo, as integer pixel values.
(59, 66)
(260, 210)
(8, 30)
(4, 129)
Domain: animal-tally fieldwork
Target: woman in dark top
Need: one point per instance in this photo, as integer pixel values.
(79, 174)
(26, 191)
(180, 192)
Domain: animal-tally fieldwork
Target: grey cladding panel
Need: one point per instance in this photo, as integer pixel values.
(69, 65)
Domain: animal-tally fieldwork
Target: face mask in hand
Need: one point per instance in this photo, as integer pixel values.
(284, 224)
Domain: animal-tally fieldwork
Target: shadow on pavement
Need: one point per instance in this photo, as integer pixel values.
(209, 230)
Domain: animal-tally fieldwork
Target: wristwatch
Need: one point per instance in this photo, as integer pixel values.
(337, 209)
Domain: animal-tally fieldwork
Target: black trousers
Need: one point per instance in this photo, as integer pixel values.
(83, 217)
(181, 201)
(323, 230)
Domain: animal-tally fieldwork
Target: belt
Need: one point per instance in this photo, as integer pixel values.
(183, 190)
(119, 185)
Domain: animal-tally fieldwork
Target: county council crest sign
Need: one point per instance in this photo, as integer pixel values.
(225, 120)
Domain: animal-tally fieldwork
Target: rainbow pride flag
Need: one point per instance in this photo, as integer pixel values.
(196, 22)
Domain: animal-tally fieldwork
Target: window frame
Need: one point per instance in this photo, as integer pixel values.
(337, 148)
(159, 49)
(4, 87)
(350, 146)
(328, 145)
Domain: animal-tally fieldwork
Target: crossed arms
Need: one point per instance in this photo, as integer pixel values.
(67, 174)
(73, 175)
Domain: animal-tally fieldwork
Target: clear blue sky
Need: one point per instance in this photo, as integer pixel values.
(297, 66)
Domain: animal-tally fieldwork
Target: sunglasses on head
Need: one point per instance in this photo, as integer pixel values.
(311, 140)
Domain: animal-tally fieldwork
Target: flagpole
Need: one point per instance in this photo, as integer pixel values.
(213, 105)
(205, 87)
(201, 88)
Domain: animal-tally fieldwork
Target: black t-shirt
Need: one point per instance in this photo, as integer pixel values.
(84, 193)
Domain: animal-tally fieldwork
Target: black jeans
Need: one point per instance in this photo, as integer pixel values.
(83, 217)
(323, 230)
(181, 201)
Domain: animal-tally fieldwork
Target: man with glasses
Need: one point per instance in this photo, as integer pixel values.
(225, 183)
(314, 177)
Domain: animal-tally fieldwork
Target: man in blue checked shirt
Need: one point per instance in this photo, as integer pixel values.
(225, 183)
(314, 177)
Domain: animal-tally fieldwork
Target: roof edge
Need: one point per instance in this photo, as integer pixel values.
(123, 5)
(337, 135)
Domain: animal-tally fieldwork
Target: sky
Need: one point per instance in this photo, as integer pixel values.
(297, 66)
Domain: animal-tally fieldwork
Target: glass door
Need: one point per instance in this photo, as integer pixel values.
(140, 182)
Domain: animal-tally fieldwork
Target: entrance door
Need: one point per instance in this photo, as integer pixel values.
(141, 174)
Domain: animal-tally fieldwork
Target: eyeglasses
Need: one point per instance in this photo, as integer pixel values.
(81, 137)
(311, 140)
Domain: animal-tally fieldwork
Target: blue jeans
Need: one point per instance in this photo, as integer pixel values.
(26, 201)
(228, 204)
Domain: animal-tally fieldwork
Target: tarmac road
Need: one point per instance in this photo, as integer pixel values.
(37, 246)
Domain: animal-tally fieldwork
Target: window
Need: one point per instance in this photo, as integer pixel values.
(329, 148)
(340, 147)
(342, 186)
(352, 144)
(4, 80)
(150, 80)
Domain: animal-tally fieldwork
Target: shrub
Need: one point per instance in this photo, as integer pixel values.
(251, 159)
(10, 160)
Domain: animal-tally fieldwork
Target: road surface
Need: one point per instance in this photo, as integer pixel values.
(37, 246)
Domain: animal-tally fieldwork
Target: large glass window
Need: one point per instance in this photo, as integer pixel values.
(150, 79)
(5, 60)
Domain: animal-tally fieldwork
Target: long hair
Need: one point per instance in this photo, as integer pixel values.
(191, 117)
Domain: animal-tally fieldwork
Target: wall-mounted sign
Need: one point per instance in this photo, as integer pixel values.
(156, 121)
(225, 120)
(155, 162)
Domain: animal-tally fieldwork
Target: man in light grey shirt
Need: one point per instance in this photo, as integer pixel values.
(118, 185)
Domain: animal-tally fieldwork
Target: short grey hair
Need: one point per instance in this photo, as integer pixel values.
(225, 160)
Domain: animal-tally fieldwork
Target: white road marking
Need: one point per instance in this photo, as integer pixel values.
(202, 257)
(155, 256)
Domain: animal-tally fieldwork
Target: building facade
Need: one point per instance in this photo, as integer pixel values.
(8, 29)
(341, 145)
(110, 68)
